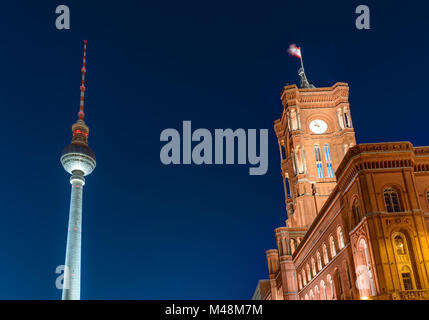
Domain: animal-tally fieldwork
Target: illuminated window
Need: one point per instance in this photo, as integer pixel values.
(304, 279)
(406, 278)
(404, 260)
(400, 245)
(332, 244)
(391, 199)
(313, 266)
(300, 282)
(323, 290)
(325, 254)
(330, 170)
(328, 161)
(331, 286)
(340, 238)
(318, 162)
(308, 273)
(319, 261)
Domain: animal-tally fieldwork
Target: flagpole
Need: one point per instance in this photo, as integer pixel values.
(302, 64)
(297, 52)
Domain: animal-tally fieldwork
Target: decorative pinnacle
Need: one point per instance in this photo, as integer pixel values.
(82, 86)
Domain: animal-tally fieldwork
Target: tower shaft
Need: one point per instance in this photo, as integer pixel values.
(71, 289)
(77, 159)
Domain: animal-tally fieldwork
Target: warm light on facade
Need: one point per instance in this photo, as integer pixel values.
(354, 221)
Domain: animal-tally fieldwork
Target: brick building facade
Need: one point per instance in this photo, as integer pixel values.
(358, 215)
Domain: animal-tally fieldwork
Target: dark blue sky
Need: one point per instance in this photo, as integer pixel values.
(178, 232)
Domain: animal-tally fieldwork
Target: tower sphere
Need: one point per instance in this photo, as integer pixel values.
(77, 156)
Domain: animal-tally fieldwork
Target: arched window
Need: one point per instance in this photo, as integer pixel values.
(282, 150)
(340, 285)
(319, 260)
(406, 278)
(306, 297)
(364, 271)
(331, 286)
(400, 245)
(391, 199)
(328, 161)
(349, 279)
(346, 119)
(332, 244)
(403, 260)
(304, 278)
(300, 282)
(288, 189)
(308, 273)
(319, 165)
(325, 254)
(340, 238)
(323, 290)
(357, 212)
(316, 293)
(313, 267)
(311, 295)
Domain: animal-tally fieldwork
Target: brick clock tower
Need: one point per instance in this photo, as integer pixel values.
(357, 215)
(314, 133)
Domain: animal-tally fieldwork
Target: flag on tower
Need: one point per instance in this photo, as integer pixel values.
(294, 51)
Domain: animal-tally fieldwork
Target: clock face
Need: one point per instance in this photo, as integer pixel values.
(318, 126)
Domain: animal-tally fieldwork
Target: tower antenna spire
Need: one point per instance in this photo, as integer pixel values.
(82, 86)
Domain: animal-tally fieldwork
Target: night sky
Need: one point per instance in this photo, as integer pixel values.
(182, 231)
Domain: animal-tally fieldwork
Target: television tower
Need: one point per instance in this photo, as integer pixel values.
(78, 159)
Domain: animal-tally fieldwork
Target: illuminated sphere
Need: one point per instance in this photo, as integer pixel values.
(78, 156)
